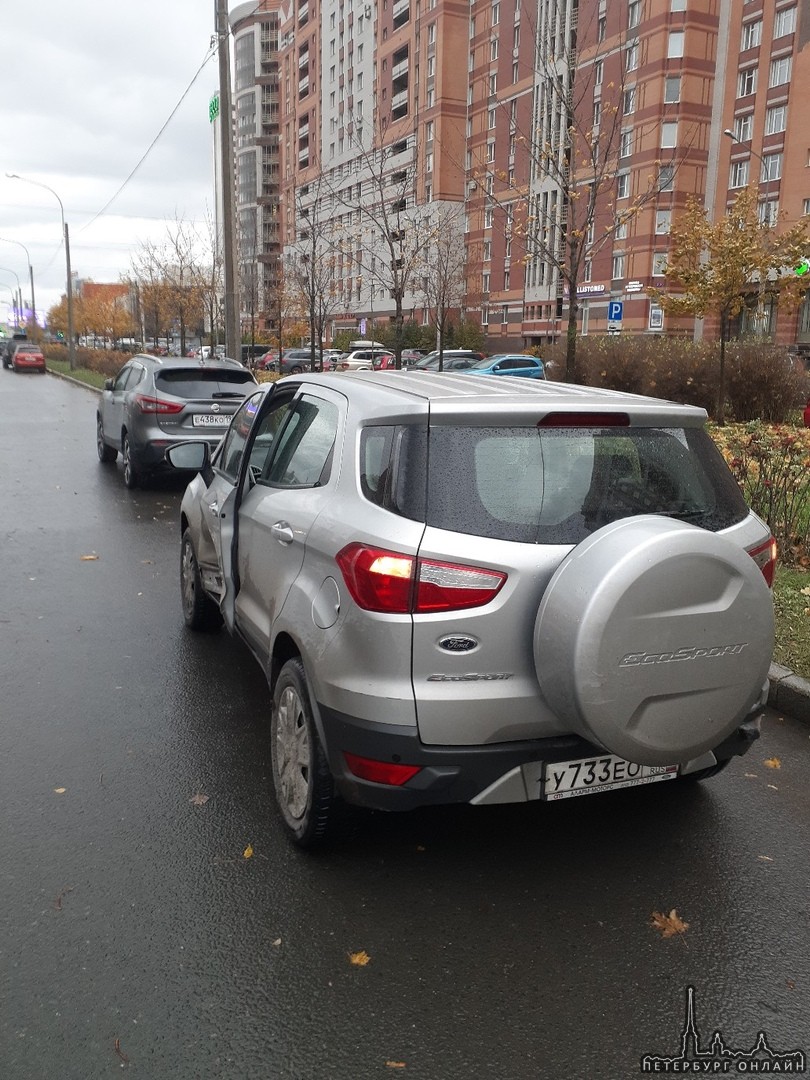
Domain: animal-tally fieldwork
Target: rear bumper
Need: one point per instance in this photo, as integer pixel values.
(457, 774)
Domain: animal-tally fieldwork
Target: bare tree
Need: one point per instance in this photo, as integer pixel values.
(311, 264)
(444, 269)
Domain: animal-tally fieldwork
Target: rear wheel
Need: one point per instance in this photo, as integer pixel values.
(199, 610)
(132, 472)
(303, 784)
(106, 453)
(296, 370)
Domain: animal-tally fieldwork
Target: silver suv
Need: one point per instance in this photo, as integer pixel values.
(479, 590)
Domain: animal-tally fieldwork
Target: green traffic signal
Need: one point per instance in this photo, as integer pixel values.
(802, 268)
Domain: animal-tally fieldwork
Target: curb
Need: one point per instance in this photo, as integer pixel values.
(787, 692)
(70, 379)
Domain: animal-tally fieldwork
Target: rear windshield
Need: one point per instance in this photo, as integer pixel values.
(549, 486)
(193, 383)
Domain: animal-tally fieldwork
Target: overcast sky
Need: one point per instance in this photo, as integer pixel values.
(86, 87)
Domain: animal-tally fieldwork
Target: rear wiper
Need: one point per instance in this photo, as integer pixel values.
(683, 515)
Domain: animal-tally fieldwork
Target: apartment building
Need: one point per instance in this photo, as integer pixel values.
(566, 135)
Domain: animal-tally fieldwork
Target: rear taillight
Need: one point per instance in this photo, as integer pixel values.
(157, 405)
(765, 558)
(380, 772)
(381, 580)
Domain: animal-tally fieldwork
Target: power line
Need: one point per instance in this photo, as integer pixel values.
(209, 55)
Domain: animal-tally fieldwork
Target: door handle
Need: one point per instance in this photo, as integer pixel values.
(214, 507)
(282, 532)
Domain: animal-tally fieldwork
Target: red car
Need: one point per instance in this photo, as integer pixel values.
(27, 357)
(807, 414)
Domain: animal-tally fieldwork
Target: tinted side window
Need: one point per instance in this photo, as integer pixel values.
(303, 453)
(558, 486)
(230, 456)
(393, 468)
(122, 377)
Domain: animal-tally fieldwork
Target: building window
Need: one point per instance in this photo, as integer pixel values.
(622, 185)
(515, 72)
(588, 276)
(669, 135)
(598, 72)
(739, 174)
(431, 34)
(631, 57)
(771, 167)
(629, 101)
(633, 14)
(666, 178)
(776, 119)
(620, 229)
(677, 5)
(507, 281)
(492, 119)
(493, 84)
(484, 315)
(490, 151)
(675, 44)
(496, 14)
(485, 279)
(784, 22)
(618, 267)
(780, 71)
(488, 218)
(504, 313)
(487, 250)
(768, 212)
(601, 27)
(751, 35)
(659, 264)
(626, 143)
(743, 127)
(806, 207)
(663, 221)
(747, 82)
(597, 113)
(672, 89)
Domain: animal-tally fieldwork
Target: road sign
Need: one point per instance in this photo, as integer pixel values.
(615, 310)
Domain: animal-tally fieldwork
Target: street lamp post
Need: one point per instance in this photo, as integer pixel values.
(18, 301)
(69, 284)
(5, 240)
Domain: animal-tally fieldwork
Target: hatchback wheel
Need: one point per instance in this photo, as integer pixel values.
(199, 610)
(132, 474)
(303, 785)
(296, 370)
(106, 453)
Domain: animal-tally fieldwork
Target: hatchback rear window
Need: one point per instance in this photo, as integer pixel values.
(193, 383)
(556, 486)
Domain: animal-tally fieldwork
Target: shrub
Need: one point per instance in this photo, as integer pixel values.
(772, 467)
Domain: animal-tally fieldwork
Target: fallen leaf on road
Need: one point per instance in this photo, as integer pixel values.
(359, 959)
(750, 775)
(277, 941)
(248, 852)
(119, 1051)
(772, 763)
(395, 1065)
(765, 858)
(199, 799)
(60, 897)
(59, 790)
(773, 787)
(669, 925)
(88, 558)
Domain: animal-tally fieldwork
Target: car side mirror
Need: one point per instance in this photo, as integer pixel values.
(109, 384)
(189, 455)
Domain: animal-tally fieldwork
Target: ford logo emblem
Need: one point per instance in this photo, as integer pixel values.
(457, 643)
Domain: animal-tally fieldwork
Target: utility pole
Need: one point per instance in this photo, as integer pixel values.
(233, 333)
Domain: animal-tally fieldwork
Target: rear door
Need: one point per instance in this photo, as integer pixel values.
(113, 402)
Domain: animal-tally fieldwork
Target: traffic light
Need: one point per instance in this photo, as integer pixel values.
(802, 268)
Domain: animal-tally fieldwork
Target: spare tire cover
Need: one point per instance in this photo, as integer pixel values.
(654, 638)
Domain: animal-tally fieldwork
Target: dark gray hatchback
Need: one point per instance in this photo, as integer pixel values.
(154, 402)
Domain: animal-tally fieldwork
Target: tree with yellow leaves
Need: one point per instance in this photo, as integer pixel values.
(719, 267)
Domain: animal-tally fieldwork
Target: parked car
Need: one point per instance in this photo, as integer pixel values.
(361, 359)
(155, 401)
(413, 355)
(294, 361)
(522, 365)
(8, 345)
(26, 356)
(452, 360)
(388, 362)
(470, 591)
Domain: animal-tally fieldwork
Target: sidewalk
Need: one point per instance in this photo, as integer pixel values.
(789, 693)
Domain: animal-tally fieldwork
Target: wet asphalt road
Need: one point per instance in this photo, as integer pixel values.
(509, 943)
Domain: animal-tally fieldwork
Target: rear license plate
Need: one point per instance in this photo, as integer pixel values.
(211, 420)
(590, 776)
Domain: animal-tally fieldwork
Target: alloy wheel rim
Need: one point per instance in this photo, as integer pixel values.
(187, 578)
(293, 753)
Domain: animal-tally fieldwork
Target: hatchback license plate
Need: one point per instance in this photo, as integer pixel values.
(211, 420)
(590, 776)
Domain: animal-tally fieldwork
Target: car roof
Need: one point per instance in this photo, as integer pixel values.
(488, 399)
(189, 362)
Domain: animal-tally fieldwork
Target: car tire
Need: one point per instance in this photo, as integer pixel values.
(303, 785)
(296, 369)
(106, 453)
(200, 612)
(133, 477)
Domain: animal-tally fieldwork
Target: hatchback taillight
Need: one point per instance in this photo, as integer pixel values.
(388, 581)
(157, 405)
(765, 558)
